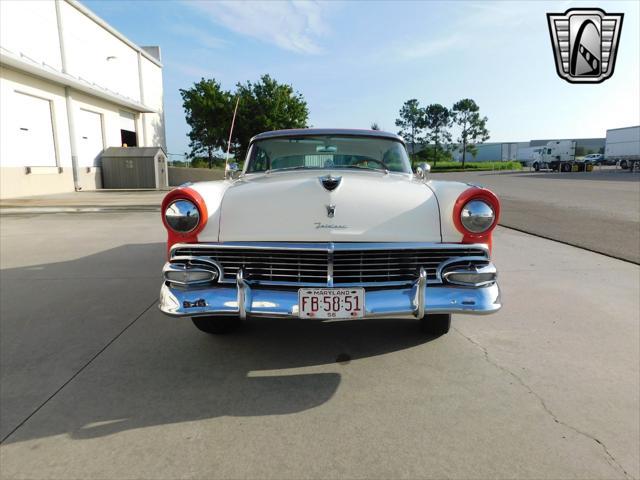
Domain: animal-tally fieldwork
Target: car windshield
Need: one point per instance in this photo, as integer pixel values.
(328, 152)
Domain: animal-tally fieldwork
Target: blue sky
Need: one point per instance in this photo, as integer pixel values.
(357, 62)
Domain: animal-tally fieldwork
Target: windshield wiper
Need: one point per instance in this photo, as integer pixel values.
(385, 170)
(299, 167)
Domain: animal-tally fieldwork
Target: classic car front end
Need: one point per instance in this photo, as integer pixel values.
(328, 225)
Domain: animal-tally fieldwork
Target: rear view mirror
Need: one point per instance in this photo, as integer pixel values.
(231, 171)
(423, 170)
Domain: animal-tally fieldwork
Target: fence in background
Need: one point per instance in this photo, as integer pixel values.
(180, 175)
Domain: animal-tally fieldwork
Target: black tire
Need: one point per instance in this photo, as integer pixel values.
(536, 167)
(217, 325)
(624, 164)
(565, 167)
(436, 324)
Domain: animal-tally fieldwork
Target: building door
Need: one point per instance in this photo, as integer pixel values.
(90, 143)
(35, 145)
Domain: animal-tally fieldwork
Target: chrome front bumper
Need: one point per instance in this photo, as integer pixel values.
(245, 299)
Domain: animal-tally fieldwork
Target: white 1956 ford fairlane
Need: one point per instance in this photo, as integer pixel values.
(327, 224)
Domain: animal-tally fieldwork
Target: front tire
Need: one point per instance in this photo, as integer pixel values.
(536, 167)
(217, 325)
(436, 324)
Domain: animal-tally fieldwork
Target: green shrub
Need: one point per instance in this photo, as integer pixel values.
(475, 166)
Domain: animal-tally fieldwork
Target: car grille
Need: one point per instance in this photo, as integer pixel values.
(312, 266)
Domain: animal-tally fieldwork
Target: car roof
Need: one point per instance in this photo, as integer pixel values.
(349, 132)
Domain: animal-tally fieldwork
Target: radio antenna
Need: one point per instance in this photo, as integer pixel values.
(233, 122)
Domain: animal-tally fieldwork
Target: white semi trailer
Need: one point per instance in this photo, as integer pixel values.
(622, 147)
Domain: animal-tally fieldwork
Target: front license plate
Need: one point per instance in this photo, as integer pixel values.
(335, 303)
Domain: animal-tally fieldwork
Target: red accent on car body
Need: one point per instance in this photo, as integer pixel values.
(476, 193)
(184, 193)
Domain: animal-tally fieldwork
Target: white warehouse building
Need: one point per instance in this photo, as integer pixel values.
(70, 87)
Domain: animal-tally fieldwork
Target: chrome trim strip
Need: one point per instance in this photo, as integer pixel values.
(180, 267)
(244, 293)
(453, 260)
(419, 300)
(330, 265)
(339, 246)
(473, 269)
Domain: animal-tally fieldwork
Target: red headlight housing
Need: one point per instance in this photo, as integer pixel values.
(171, 199)
(484, 196)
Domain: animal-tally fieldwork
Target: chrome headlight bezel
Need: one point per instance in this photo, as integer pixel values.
(477, 216)
(182, 216)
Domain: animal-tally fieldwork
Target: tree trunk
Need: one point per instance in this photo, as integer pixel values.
(464, 152)
(435, 152)
(413, 144)
(210, 154)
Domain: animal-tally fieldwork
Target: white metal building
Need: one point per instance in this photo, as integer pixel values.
(70, 86)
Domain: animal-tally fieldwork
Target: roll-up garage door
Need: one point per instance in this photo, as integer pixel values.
(34, 132)
(90, 143)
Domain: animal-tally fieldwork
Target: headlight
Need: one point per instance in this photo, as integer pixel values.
(182, 216)
(477, 216)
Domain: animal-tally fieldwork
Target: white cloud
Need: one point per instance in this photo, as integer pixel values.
(203, 37)
(291, 25)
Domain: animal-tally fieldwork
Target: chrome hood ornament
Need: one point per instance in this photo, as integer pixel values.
(330, 183)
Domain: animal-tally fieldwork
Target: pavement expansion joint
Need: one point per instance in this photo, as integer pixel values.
(80, 370)
(611, 460)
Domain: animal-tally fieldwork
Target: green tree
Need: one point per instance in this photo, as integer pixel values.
(411, 123)
(473, 127)
(264, 105)
(437, 121)
(208, 111)
(375, 126)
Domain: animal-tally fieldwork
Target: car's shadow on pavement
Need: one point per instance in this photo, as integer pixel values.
(163, 371)
(182, 375)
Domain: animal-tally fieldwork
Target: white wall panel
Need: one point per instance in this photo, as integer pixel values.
(153, 97)
(97, 56)
(30, 28)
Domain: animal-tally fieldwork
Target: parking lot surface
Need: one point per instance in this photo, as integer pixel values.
(96, 383)
(598, 210)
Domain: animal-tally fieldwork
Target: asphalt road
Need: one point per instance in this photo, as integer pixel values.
(598, 210)
(96, 383)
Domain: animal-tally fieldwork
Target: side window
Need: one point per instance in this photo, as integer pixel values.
(260, 160)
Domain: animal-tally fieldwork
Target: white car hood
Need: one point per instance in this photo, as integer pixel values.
(370, 206)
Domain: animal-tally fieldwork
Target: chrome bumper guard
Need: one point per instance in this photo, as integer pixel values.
(245, 299)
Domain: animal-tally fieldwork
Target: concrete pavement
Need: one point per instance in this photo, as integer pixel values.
(101, 385)
(598, 210)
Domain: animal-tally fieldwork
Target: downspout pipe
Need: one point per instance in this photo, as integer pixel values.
(142, 99)
(69, 103)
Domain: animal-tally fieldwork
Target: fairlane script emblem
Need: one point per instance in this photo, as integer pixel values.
(331, 210)
(585, 43)
(330, 183)
(328, 225)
